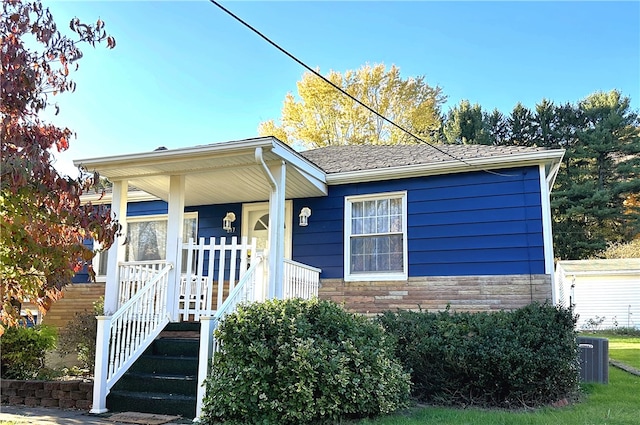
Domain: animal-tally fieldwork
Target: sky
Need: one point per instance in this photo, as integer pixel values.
(185, 73)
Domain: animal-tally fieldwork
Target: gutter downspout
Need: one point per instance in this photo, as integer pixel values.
(276, 237)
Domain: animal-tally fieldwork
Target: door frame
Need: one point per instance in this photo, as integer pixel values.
(288, 221)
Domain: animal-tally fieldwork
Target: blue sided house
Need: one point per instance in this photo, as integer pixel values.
(374, 227)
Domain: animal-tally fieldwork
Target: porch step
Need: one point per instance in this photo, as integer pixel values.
(176, 347)
(159, 403)
(164, 379)
(154, 364)
(159, 383)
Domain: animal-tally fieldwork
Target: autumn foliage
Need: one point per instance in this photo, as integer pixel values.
(43, 221)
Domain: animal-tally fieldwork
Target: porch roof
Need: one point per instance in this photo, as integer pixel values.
(216, 173)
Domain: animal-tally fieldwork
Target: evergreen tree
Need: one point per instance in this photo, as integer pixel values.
(601, 171)
(465, 124)
(521, 127)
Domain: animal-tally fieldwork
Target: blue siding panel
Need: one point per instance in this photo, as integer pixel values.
(459, 224)
(136, 209)
(83, 275)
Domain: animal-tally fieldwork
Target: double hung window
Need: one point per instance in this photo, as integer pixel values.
(376, 237)
(146, 240)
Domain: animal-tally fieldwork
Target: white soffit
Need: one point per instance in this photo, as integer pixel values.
(214, 174)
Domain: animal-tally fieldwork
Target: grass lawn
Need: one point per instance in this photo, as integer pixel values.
(617, 403)
(622, 348)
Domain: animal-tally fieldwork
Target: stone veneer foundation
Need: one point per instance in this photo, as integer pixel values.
(461, 293)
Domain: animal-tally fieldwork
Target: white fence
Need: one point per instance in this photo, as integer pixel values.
(210, 273)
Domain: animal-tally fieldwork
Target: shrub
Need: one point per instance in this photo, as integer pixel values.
(298, 362)
(79, 336)
(23, 350)
(527, 357)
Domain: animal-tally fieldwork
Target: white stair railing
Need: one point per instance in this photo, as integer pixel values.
(123, 337)
(300, 280)
(250, 288)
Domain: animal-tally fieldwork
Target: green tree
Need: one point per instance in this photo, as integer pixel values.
(497, 127)
(521, 126)
(594, 201)
(466, 124)
(42, 221)
(601, 172)
(322, 116)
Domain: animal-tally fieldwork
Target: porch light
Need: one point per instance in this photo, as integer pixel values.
(227, 220)
(304, 216)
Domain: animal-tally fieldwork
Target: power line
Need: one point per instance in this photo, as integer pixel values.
(364, 105)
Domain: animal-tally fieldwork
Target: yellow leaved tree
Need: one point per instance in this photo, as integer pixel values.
(322, 116)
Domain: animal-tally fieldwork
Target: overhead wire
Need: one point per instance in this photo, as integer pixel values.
(344, 92)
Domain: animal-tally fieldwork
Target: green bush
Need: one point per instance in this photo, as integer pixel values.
(300, 362)
(23, 350)
(79, 336)
(527, 357)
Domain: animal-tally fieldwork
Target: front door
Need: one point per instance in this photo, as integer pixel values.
(255, 224)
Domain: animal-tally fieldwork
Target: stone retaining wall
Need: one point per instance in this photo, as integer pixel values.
(75, 394)
(460, 293)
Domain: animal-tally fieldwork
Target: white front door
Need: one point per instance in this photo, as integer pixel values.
(255, 224)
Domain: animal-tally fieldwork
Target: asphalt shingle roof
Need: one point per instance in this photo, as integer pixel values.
(337, 159)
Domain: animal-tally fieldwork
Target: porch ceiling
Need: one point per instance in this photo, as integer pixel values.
(214, 174)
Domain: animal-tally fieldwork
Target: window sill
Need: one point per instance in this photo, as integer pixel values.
(375, 277)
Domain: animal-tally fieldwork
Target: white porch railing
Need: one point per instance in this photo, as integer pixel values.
(212, 272)
(300, 280)
(133, 275)
(123, 337)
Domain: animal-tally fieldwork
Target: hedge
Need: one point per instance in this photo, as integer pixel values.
(300, 362)
(527, 357)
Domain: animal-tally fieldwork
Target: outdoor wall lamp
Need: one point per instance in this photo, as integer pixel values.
(227, 220)
(305, 213)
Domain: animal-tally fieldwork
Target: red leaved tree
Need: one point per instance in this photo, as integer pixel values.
(43, 223)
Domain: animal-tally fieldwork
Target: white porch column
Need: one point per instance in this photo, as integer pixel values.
(276, 231)
(117, 250)
(174, 240)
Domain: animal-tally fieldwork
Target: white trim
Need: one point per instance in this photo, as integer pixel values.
(447, 167)
(219, 149)
(547, 228)
(116, 251)
(374, 276)
(133, 196)
(629, 272)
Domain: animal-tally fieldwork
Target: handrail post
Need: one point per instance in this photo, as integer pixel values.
(101, 365)
(207, 325)
(260, 282)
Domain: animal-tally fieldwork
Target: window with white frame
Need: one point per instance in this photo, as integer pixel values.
(146, 240)
(376, 237)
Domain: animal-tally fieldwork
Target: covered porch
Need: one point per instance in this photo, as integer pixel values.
(203, 278)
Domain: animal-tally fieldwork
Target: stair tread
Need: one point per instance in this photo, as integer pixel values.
(150, 395)
(169, 357)
(179, 334)
(167, 376)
